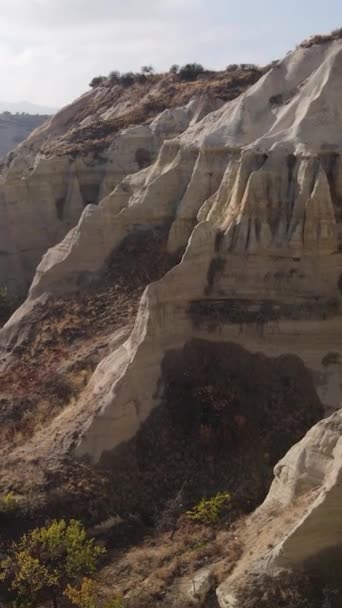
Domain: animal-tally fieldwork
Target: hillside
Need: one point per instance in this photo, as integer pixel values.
(91, 123)
(14, 128)
(86, 149)
(183, 340)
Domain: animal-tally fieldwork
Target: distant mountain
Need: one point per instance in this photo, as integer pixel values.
(26, 106)
(16, 127)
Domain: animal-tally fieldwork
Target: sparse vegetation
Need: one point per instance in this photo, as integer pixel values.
(148, 70)
(210, 510)
(8, 304)
(276, 100)
(87, 596)
(60, 388)
(44, 563)
(174, 69)
(114, 77)
(8, 503)
(248, 66)
(127, 79)
(190, 71)
(232, 67)
(322, 38)
(97, 81)
(143, 96)
(148, 573)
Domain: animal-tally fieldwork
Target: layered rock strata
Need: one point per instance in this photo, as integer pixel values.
(43, 196)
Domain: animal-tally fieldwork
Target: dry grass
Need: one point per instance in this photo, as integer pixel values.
(322, 38)
(140, 103)
(68, 335)
(152, 573)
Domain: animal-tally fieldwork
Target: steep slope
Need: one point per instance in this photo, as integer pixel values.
(86, 149)
(297, 527)
(236, 346)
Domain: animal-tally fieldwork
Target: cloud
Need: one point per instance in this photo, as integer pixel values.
(53, 48)
(69, 13)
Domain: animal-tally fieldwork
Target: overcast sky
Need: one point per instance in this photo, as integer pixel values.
(50, 49)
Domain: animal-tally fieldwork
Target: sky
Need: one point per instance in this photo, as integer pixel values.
(51, 49)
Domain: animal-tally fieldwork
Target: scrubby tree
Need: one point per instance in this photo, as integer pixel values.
(148, 70)
(97, 81)
(43, 563)
(128, 79)
(174, 69)
(248, 66)
(8, 503)
(209, 510)
(190, 71)
(86, 596)
(232, 67)
(114, 77)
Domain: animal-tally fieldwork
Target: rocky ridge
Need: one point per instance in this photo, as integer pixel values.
(248, 199)
(86, 149)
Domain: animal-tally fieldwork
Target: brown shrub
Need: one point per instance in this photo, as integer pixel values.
(322, 38)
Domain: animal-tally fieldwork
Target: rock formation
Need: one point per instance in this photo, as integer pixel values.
(41, 203)
(248, 202)
(85, 150)
(301, 514)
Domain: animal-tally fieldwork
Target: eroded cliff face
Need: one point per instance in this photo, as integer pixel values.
(249, 203)
(43, 197)
(80, 155)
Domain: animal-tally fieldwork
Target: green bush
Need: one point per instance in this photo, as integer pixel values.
(8, 503)
(210, 510)
(40, 566)
(86, 596)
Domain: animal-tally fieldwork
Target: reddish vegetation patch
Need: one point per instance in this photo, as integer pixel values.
(226, 418)
(69, 335)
